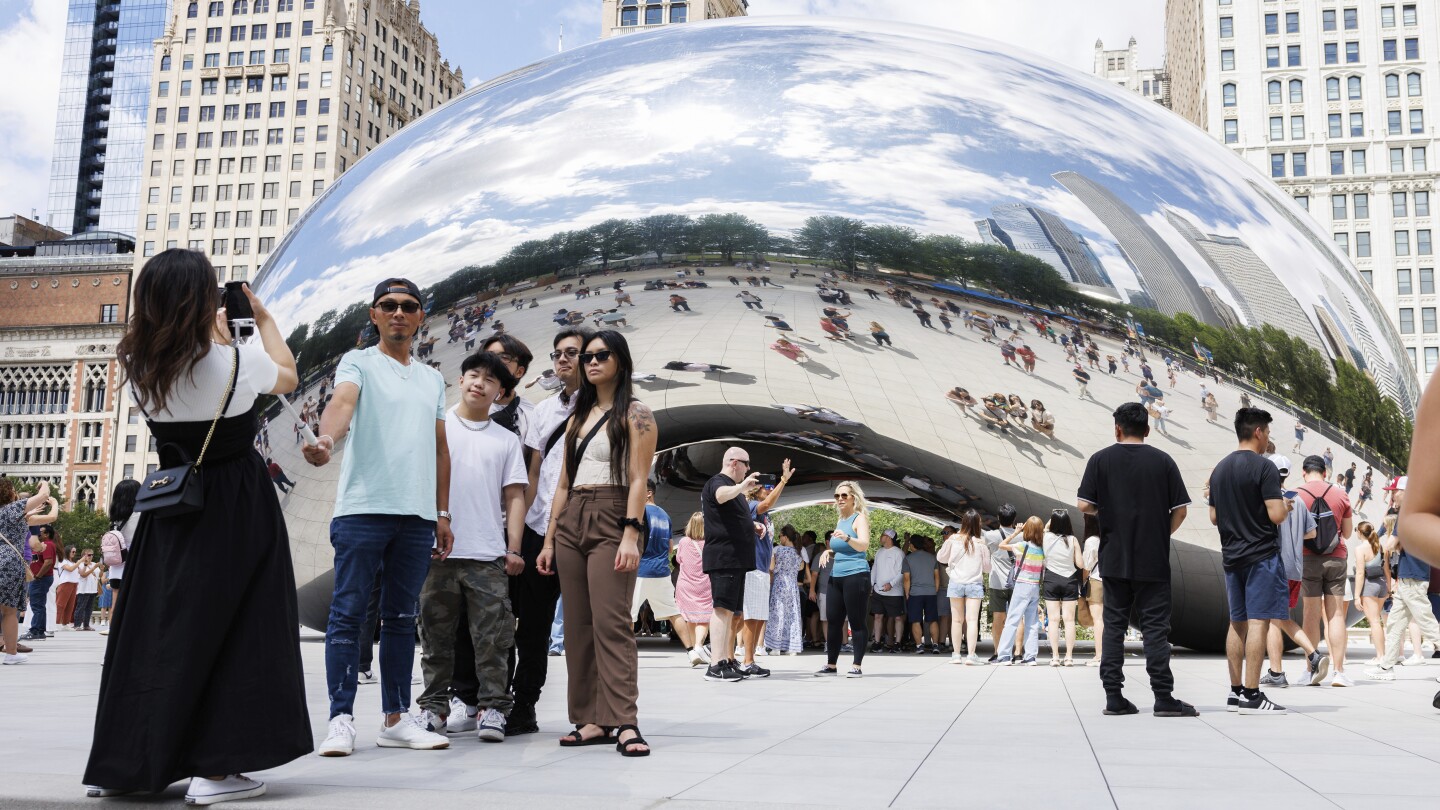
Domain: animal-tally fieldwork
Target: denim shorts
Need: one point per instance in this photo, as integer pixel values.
(966, 590)
(1258, 591)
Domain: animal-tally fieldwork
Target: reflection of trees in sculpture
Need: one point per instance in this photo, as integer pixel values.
(665, 233)
(615, 239)
(839, 240)
(728, 234)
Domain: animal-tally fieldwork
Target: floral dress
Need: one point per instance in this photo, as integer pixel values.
(12, 551)
(783, 632)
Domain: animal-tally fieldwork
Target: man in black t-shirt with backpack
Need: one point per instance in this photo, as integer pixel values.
(1139, 497)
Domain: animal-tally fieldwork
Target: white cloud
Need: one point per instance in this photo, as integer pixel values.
(30, 51)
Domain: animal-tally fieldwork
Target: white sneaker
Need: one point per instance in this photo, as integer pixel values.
(975, 661)
(1341, 679)
(1329, 680)
(432, 722)
(462, 717)
(367, 676)
(703, 653)
(1416, 660)
(340, 740)
(957, 659)
(214, 791)
(695, 658)
(409, 732)
(1380, 674)
(17, 658)
(739, 653)
(492, 726)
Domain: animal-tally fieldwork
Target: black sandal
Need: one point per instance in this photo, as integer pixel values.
(623, 746)
(575, 740)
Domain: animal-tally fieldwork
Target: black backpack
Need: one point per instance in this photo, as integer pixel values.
(1327, 528)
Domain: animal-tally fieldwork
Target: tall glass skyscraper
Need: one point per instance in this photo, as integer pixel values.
(100, 124)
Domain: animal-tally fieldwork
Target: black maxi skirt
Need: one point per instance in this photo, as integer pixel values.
(202, 673)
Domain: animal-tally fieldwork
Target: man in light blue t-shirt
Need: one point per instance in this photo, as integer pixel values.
(389, 513)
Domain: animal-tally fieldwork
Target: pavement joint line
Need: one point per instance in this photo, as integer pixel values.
(1083, 730)
(936, 744)
(1266, 760)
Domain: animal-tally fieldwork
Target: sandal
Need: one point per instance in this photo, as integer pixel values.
(1069, 662)
(576, 740)
(623, 746)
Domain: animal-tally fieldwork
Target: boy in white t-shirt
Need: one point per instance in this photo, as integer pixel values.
(487, 504)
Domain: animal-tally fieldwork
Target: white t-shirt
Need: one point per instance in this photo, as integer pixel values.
(482, 463)
(90, 584)
(547, 416)
(889, 565)
(117, 572)
(1091, 556)
(195, 400)
(1060, 554)
(65, 573)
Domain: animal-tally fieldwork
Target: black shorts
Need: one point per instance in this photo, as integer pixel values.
(727, 589)
(1060, 589)
(114, 584)
(891, 607)
(922, 609)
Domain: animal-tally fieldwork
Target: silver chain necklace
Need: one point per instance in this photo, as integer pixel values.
(468, 425)
(409, 368)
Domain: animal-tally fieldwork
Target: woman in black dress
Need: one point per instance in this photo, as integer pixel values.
(202, 676)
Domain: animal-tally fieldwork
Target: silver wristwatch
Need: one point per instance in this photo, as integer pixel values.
(442, 514)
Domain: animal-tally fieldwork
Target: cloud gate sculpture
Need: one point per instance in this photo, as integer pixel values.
(668, 160)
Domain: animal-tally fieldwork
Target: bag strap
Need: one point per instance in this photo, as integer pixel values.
(224, 403)
(573, 461)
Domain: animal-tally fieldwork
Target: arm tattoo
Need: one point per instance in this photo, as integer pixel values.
(641, 418)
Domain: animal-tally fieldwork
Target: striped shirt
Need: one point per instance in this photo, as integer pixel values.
(1032, 564)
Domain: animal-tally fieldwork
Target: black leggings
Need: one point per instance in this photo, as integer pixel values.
(846, 597)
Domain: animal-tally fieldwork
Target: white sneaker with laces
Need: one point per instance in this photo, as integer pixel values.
(1341, 679)
(492, 726)
(367, 676)
(696, 659)
(409, 732)
(1329, 680)
(340, 740)
(214, 791)
(432, 722)
(17, 658)
(1416, 660)
(462, 717)
(1380, 674)
(704, 653)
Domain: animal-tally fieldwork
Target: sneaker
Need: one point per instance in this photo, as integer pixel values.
(409, 732)
(1003, 662)
(1261, 705)
(214, 791)
(367, 676)
(1329, 680)
(1416, 660)
(854, 673)
(1029, 662)
(1341, 679)
(1275, 679)
(919, 649)
(340, 740)
(1232, 701)
(739, 653)
(994, 659)
(521, 720)
(753, 670)
(846, 648)
(433, 722)
(1380, 674)
(33, 637)
(723, 671)
(17, 658)
(973, 660)
(957, 658)
(491, 726)
(461, 719)
(1373, 662)
(1319, 667)
(826, 671)
(696, 659)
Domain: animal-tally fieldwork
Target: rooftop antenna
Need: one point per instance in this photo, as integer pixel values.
(561, 47)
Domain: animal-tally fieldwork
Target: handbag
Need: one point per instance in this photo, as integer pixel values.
(29, 575)
(1015, 569)
(179, 490)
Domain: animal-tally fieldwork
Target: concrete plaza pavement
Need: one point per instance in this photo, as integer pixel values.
(914, 732)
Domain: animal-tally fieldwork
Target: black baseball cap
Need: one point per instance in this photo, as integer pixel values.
(396, 285)
(1313, 464)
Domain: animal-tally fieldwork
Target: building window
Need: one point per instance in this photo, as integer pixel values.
(1227, 59)
(1272, 56)
(1277, 165)
(1412, 48)
(1357, 124)
(1362, 244)
(1332, 53)
(109, 313)
(1272, 91)
(1422, 243)
(1327, 19)
(1432, 356)
(1354, 87)
(1352, 53)
(1292, 56)
(1412, 81)
(1402, 282)
(1298, 162)
(1337, 162)
(1388, 51)
(1339, 207)
(1417, 122)
(1232, 131)
(654, 13)
(679, 12)
(1304, 201)
(1427, 320)
(1332, 89)
(1427, 281)
(1407, 321)
(1272, 24)
(1297, 91)
(1342, 241)
(1394, 123)
(630, 12)
(1362, 206)
(1357, 161)
(1387, 16)
(1335, 130)
(1422, 203)
(1417, 164)
(1227, 26)
(1277, 128)
(1227, 94)
(1398, 206)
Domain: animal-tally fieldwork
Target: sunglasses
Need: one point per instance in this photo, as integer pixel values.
(603, 356)
(408, 307)
(570, 353)
(840, 495)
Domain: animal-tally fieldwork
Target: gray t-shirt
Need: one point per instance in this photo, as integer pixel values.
(1001, 561)
(1298, 523)
(920, 565)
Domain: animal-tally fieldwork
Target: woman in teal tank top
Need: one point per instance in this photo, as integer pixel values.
(849, 588)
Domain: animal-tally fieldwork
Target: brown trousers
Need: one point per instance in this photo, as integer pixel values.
(599, 636)
(65, 602)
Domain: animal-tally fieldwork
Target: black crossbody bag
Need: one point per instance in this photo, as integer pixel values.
(179, 490)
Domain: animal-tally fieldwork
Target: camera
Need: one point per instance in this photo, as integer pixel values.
(766, 480)
(238, 312)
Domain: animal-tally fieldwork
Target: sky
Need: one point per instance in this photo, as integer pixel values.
(488, 39)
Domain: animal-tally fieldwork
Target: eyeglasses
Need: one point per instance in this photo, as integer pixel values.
(505, 356)
(603, 356)
(570, 353)
(840, 495)
(408, 307)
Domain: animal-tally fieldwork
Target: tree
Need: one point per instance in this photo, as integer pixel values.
(664, 233)
(893, 246)
(615, 239)
(81, 527)
(297, 338)
(838, 240)
(821, 519)
(727, 233)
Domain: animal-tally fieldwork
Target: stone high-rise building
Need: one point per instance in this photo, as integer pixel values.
(626, 16)
(1331, 100)
(1123, 68)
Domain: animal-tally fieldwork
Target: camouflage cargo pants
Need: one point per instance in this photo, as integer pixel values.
(479, 590)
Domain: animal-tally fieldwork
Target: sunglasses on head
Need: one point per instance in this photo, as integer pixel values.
(570, 353)
(408, 307)
(602, 356)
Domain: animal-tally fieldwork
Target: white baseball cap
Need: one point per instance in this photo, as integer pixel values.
(1281, 463)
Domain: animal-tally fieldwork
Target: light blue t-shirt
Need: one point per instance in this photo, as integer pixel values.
(847, 560)
(389, 463)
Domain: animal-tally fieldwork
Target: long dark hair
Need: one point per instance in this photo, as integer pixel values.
(1092, 526)
(1060, 525)
(122, 502)
(618, 430)
(171, 324)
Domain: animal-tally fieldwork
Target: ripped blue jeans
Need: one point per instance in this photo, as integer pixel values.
(397, 549)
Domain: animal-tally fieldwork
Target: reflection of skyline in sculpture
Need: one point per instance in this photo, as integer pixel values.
(1249, 279)
(1166, 277)
(1044, 235)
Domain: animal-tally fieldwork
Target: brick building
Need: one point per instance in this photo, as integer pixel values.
(63, 306)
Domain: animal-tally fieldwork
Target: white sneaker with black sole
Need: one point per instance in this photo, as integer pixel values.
(409, 732)
(1232, 701)
(366, 676)
(340, 740)
(1261, 705)
(854, 673)
(214, 791)
(462, 717)
(491, 726)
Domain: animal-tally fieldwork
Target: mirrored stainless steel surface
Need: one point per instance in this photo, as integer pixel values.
(779, 121)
